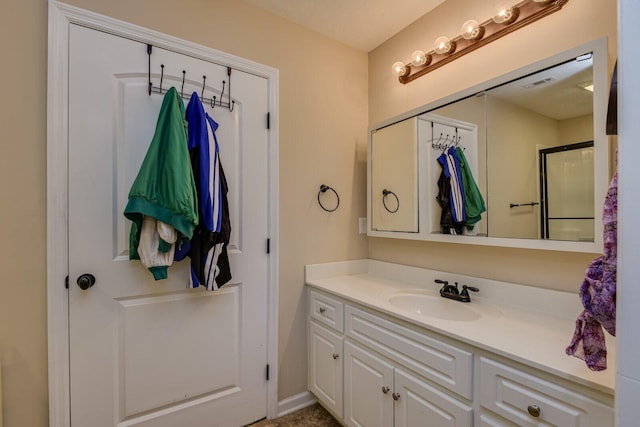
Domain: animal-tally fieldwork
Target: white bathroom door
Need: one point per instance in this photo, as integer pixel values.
(145, 352)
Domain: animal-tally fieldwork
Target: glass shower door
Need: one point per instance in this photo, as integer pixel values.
(566, 185)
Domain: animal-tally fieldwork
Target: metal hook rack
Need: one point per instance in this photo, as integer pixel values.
(444, 142)
(213, 101)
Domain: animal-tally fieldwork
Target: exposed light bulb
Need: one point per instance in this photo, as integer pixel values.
(399, 69)
(418, 58)
(505, 13)
(471, 30)
(443, 45)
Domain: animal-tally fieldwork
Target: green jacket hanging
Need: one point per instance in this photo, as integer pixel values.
(165, 188)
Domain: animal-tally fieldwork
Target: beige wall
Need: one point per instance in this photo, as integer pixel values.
(323, 121)
(578, 22)
(512, 153)
(578, 129)
(23, 294)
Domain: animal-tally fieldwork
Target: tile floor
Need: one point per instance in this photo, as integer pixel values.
(311, 416)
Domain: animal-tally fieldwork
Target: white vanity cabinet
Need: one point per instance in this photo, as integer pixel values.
(325, 350)
(380, 393)
(387, 370)
(373, 370)
(368, 388)
(529, 401)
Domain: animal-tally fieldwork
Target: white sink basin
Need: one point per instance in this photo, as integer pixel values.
(441, 308)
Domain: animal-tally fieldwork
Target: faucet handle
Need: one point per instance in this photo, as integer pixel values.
(466, 289)
(441, 282)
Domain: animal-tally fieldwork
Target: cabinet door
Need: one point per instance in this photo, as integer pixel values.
(325, 367)
(368, 388)
(419, 404)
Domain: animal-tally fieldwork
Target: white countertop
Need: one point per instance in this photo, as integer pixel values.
(524, 323)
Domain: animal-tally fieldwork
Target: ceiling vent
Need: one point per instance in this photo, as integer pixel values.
(539, 82)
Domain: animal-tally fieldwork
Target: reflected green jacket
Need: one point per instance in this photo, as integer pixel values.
(473, 201)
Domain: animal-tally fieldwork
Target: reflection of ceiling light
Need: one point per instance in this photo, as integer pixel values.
(587, 86)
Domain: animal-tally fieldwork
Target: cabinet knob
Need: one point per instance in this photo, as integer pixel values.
(534, 410)
(396, 396)
(322, 310)
(335, 356)
(385, 389)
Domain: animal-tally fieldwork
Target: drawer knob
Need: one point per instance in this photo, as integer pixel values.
(534, 410)
(385, 389)
(396, 396)
(322, 310)
(335, 356)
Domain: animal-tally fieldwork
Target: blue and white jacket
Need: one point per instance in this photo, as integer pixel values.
(208, 247)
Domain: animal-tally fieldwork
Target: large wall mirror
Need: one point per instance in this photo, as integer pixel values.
(519, 161)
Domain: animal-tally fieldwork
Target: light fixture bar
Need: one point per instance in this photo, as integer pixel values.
(528, 11)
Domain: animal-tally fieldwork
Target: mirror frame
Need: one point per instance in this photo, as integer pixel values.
(601, 156)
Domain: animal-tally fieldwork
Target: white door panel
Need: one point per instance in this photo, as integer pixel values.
(145, 352)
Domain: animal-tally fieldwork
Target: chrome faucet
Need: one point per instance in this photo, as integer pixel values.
(452, 291)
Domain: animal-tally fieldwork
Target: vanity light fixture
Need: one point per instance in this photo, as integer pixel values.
(506, 14)
(419, 58)
(399, 69)
(444, 46)
(471, 30)
(506, 18)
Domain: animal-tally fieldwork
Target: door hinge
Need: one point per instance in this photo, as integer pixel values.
(66, 282)
(268, 246)
(267, 372)
(268, 120)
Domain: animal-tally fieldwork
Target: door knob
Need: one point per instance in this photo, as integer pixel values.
(86, 281)
(335, 356)
(396, 396)
(385, 389)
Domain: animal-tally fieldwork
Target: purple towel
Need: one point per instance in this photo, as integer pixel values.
(598, 293)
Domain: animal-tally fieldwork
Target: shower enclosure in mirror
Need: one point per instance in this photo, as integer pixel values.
(566, 192)
(534, 150)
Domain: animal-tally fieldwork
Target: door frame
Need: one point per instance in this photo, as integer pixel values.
(61, 16)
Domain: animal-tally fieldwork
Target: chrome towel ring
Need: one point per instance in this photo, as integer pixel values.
(385, 193)
(323, 189)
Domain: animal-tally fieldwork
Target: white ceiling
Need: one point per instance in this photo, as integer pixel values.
(362, 24)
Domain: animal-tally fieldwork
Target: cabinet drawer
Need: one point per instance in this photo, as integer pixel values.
(326, 310)
(527, 400)
(449, 366)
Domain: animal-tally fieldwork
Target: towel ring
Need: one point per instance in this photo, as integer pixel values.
(385, 193)
(323, 189)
